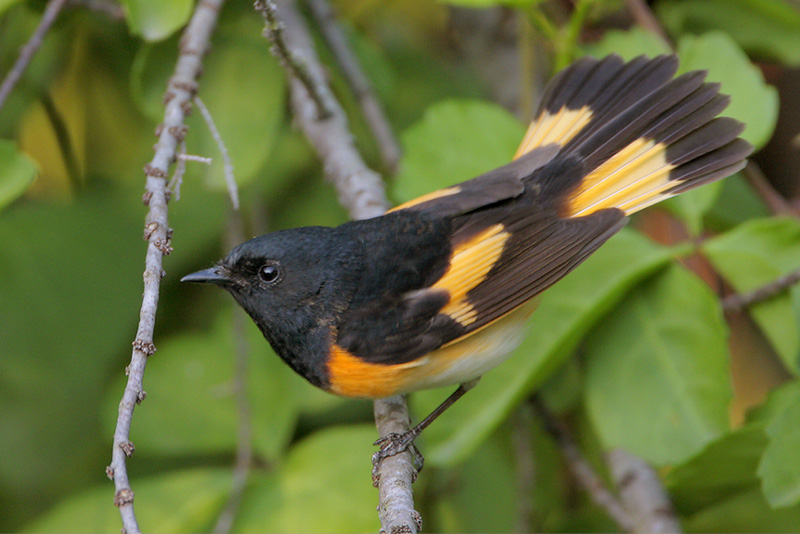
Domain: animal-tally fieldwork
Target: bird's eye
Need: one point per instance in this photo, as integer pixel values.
(269, 273)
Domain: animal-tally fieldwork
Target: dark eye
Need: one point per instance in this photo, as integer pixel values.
(269, 273)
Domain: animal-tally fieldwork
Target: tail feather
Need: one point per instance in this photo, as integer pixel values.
(639, 135)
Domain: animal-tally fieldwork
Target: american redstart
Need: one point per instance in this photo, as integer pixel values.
(438, 290)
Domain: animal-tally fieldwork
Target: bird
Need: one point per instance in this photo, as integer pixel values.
(439, 290)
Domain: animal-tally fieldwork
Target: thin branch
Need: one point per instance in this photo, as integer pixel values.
(776, 203)
(740, 301)
(110, 9)
(643, 495)
(644, 17)
(524, 467)
(175, 183)
(180, 91)
(361, 191)
(244, 446)
(297, 67)
(197, 159)
(359, 83)
(581, 468)
(230, 180)
(29, 50)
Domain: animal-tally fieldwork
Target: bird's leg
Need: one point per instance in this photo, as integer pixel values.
(395, 443)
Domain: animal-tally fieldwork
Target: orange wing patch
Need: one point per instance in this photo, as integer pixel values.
(556, 128)
(425, 198)
(470, 264)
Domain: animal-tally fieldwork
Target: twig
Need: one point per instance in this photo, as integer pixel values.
(361, 192)
(29, 50)
(739, 301)
(197, 159)
(111, 10)
(181, 88)
(644, 17)
(230, 181)
(581, 468)
(776, 203)
(359, 83)
(642, 494)
(244, 447)
(299, 70)
(524, 467)
(175, 183)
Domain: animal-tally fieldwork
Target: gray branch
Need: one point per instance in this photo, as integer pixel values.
(180, 91)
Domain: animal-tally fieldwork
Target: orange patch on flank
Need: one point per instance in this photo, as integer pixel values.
(350, 376)
(425, 198)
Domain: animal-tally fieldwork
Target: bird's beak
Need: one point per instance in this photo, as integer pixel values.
(214, 275)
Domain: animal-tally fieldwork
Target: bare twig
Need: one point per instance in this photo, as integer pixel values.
(273, 30)
(244, 447)
(175, 183)
(581, 468)
(524, 467)
(740, 301)
(642, 494)
(361, 192)
(230, 181)
(644, 17)
(359, 83)
(29, 50)
(110, 9)
(180, 91)
(197, 159)
(774, 200)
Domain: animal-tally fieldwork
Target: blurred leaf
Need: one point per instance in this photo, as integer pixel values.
(735, 204)
(657, 379)
(5, 4)
(155, 20)
(456, 140)
(724, 467)
(744, 512)
(567, 312)
(18, 172)
(324, 486)
(179, 501)
(692, 205)
(628, 44)
(754, 254)
(779, 468)
(768, 29)
(752, 101)
(191, 409)
(491, 3)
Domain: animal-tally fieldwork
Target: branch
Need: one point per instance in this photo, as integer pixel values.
(361, 192)
(776, 203)
(230, 181)
(359, 83)
(110, 9)
(180, 91)
(581, 468)
(524, 467)
(740, 301)
(644, 17)
(643, 495)
(29, 50)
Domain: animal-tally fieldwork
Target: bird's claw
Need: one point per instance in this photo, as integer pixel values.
(392, 444)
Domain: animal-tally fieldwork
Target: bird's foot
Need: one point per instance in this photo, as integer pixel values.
(392, 444)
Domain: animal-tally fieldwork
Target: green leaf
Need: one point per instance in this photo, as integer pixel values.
(155, 20)
(779, 468)
(180, 501)
(657, 381)
(752, 101)
(324, 486)
(754, 254)
(5, 4)
(191, 407)
(19, 172)
(566, 313)
(693, 205)
(456, 140)
(744, 512)
(768, 29)
(628, 44)
(723, 468)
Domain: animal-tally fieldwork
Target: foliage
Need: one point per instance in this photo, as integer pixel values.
(632, 348)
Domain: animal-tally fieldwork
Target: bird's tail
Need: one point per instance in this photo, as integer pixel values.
(640, 135)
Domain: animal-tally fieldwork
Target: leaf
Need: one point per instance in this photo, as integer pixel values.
(456, 140)
(324, 486)
(744, 512)
(628, 44)
(5, 4)
(768, 29)
(19, 172)
(657, 380)
(179, 501)
(155, 20)
(779, 468)
(692, 205)
(566, 313)
(754, 254)
(752, 101)
(491, 3)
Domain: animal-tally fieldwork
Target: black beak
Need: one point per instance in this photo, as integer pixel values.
(214, 275)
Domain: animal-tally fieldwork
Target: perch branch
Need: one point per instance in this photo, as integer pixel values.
(29, 50)
(361, 191)
(359, 83)
(642, 494)
(740, 301)
(180, 91)
(581, 468)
